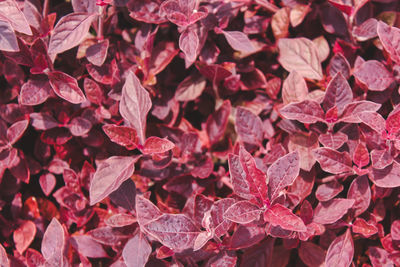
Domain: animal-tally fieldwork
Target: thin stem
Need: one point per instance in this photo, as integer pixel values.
(101, 22)
(45, 8)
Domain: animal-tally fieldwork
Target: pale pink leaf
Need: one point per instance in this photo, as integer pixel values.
(79, 126)
(24, 235)
(294, 88)
(242, 212)
(53, 242)
(34, 92)
(136, 251)
(340, 251)
(374, 75)
(8, 39)
(9, 11)
(330, 211)
(69, 32)
(146, 211)
(239, 41)
(97, 53)
(43, 121)
(189, 43)
(175, 231)
(15, 131)
(333, 161)
(47, 182)
(338, 93)
(135, 104)
(381, 158)
(390, 39)
(300, 54)
(190, 88)
(120, 220)
(373, 120)
(218, 222)
(392, 124)
(307, 111)
(282, 173)
(110, 174)
(333, 140)
(4, 262)
(283, 217)
(388, 177)
(86, 246)
(66, 87)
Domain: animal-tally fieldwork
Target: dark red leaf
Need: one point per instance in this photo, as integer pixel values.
(216, 122)
(97, 53)
(328, 191)
(122, 135)
(338, 93)
(311, 254)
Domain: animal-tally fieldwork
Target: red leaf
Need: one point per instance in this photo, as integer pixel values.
(360, 191)
(110, 174)
(69, 32)
(246, 236)
(239, 41)
(389, 37)
(24, 235)
(307, 111)
(332, 210)
(135, 104)
(312, 254)
(136, 251)
(392, 124)
(8, 39)
(248, 126)
(333, 161)
(66, 87)
(122, 135)
(189, 43)
(242, 212)
(379, 257)
(284, 217)
(86, 246)
(340, 251)
(155, 144)
(338, 93)
(53, 243)
(175, 231)
(300, 54)
(360, 226)
(93, 91)
(388, 177)
(282, 173)
(361, 155)
(374, 75)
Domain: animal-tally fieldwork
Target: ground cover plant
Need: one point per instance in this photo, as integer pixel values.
(200, 133)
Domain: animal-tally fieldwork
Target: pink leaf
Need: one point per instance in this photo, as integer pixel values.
(300, 54)
(381, 158)
(338, 93)
(66, 87)
(360, 226)
(79, 126)
(47, 183)
(93, 91)
(24, 235)
(389, 37)
(189, 43)
(43, 121)
(122, 135)
(110, 174)
(136, 251)
(307, 111)
(335, 140)
(15, 132)
(294, 88)
(120, 220)
(282, 173)
(219, 223)
(333, 161)
(395, 230)
(249, 126)
(312, 254)
(86, 246)
(34, 92)
(284, 217)
(216, 122)
(4, 262)
(374, 75)
(352, 110)
(392, 124)
(328, 191)
(155, 144)
(388, 177)
(135, 104)
(8, 39)
(379, 257)
(242, 212)
(361, 155)
(175, 231)
(190, 88)
(97, 53)
(146, 211)
(304, 143)
(53, 243)
(332, 210)
(340, 251)
(224, 258)
(69, 32)
(246, 236)
(9, 11)
(239, 41)
(373, 120)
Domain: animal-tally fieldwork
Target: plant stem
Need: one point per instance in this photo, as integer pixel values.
(45, 8)
(101, 22)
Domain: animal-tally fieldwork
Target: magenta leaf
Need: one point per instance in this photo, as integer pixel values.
(66, 87)
(175, 231)
(300, 54)
(282, 173)
(53, 243)
(388, 177)
(156, 144)
(110, 174)
(294, 88)
(122, 135)
(242, 212)
(239, 41)
(9, 11)
(332, 210)
(136, 251)
(333, 161)
(307, 111)
(248, 126)
(189, 43)
(340, 251)
(86, 246)
(374, 75)
(216, 122)
(97, 53)
(135, 104)
(283, 217)
(338, 93)
(389, 37)
(69, 32)
(312, 254)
